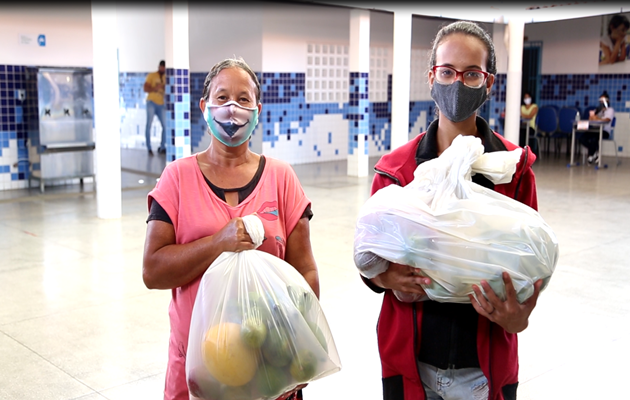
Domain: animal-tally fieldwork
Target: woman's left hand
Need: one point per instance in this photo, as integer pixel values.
(510, 314)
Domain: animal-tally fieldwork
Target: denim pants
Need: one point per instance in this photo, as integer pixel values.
(158, 111)
(453, 384)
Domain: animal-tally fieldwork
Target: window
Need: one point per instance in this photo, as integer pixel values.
(326, 73)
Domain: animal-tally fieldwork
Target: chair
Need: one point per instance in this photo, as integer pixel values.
(546, 123)
(555, 107)
(612, 138)
(566, 118)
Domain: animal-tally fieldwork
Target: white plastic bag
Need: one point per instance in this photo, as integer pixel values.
(455, 231)
(257, 328)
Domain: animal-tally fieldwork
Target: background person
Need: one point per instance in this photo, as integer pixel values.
(613, 45)
(432, 350)
(529, 110)
(197, 205)
(590, 138)
(154, 85)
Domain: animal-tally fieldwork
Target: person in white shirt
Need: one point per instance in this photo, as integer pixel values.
(590, 139)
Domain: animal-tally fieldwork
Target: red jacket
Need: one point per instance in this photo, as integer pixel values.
(400, 324)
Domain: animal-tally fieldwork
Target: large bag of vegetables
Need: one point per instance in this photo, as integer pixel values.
(257, 328)
(455, 231)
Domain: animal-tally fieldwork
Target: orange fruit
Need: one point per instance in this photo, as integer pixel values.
(225, 355)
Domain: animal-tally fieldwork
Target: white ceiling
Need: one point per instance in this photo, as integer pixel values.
(494, 11)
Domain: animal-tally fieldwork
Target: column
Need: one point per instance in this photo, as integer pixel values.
(401, 78)
(177, 93)
(106, 121)
(359, 103)
(516, 31)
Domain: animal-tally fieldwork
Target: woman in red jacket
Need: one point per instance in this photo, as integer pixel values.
(443, 351)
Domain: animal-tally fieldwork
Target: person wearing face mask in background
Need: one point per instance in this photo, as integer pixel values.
(154, 85)
(590, 138)
(432, 350)
(529, 109)
(612, 46)
(196, 208)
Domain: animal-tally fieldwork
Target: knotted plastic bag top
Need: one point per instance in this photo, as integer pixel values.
(449, 174)
(254, 228)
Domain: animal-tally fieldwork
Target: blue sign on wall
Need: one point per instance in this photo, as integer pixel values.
(41, 40)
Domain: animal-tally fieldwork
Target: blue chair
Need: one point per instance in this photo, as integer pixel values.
(555, 107)
(612, 138)
(546, 123)
(566, 118)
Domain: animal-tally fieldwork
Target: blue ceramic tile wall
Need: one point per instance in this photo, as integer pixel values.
(284, 103)
(177, 104)
(198, 126)
(131, 90)
(497, 102)
(417, 107)
(380, 125)
(359, 110)
(13, 126)
(583, 90)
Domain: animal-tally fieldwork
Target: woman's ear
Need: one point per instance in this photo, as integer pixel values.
(202, 105)
(490, 82)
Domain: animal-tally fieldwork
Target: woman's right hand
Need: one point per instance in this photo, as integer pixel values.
(402, 278)
(233, 237)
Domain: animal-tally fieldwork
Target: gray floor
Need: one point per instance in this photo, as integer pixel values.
(77, 322)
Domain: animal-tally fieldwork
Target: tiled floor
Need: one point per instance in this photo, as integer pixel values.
(76, 321)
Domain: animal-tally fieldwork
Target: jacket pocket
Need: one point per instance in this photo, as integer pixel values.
(393, 388)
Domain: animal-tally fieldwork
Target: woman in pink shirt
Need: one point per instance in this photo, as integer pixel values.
(195, 209)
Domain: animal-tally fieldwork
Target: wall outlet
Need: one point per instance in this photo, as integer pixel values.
(20, 94)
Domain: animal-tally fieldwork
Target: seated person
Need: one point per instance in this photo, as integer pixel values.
(590, 139)
(529, 109)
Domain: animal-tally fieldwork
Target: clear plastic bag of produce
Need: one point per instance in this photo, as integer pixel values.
(257, 328)
(455, 231)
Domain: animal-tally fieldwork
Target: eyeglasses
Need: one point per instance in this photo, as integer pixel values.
(472, 78)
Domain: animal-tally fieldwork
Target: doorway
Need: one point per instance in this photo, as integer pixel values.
(532, 56)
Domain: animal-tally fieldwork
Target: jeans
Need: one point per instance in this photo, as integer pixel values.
(158, 111)
(453, 384)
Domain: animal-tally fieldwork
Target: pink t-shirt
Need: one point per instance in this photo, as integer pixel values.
(196, 212)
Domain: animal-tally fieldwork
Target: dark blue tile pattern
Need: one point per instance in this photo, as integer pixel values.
(177, 109)
(14, 116)
(359, 111)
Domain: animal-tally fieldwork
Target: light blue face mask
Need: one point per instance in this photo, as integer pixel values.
(231, 123)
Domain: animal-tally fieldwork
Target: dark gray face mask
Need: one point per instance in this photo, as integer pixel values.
(457, 101)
